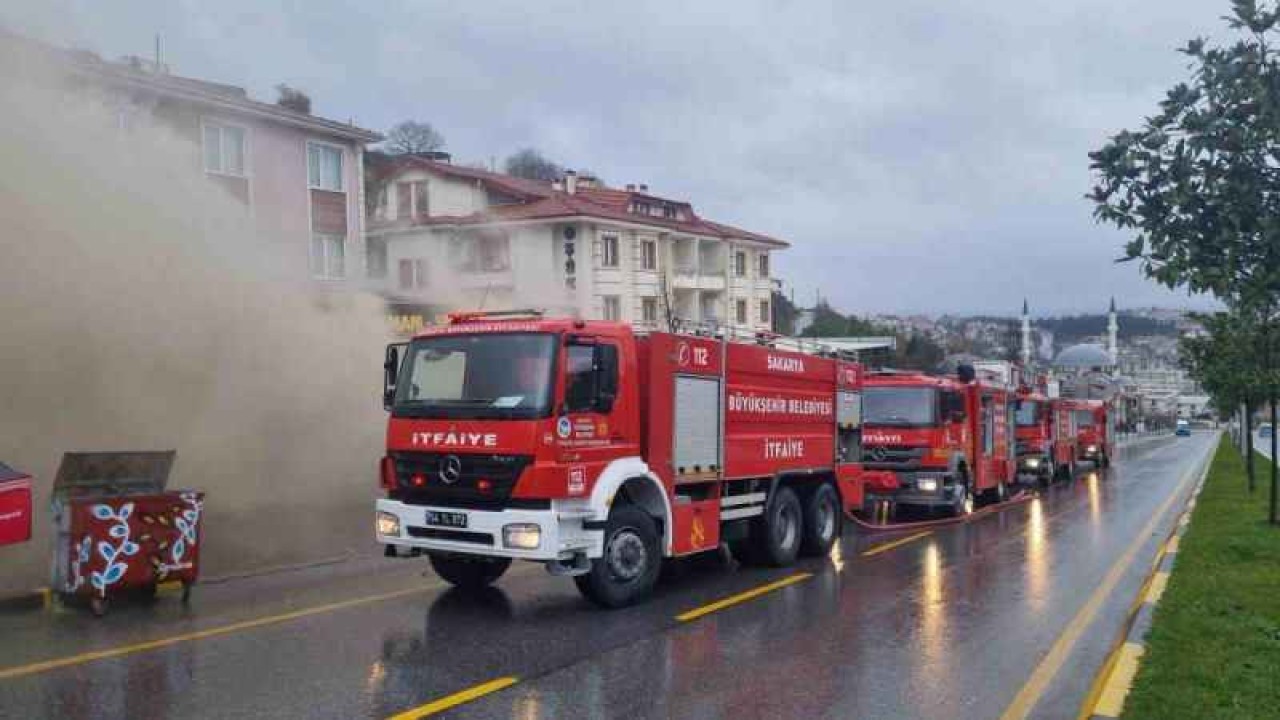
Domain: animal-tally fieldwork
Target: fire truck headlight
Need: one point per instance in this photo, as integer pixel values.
(1091, 449)
(927, 484)
(522, 536)
(388, 524)
(1033, 463)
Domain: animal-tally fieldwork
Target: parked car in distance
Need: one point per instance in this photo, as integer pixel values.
(1183, 428)
(1264, 431)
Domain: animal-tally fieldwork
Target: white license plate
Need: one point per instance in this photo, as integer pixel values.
(446, 519)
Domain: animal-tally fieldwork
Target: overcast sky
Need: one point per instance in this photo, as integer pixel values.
(920, 155)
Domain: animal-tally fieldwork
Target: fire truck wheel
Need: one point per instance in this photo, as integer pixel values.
(776, 535)
(632, 559)
(822, 518)
(468, 573)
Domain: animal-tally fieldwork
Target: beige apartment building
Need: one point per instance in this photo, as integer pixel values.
(445, 235)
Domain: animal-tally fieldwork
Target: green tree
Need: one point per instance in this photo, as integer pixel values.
(413, 137)
(1198, 184)
(1225, 362)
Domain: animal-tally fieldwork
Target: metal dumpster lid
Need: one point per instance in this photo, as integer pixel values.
(7, 473)
(84, 473)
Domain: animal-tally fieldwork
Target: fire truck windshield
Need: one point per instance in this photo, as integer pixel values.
(900, 406)
(495, 375)
(1028, 413)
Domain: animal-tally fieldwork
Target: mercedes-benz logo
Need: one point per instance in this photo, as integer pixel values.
(878, 454)
(450, 469)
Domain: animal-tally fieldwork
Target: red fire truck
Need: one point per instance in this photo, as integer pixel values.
(1066, 439)
(598, 451)
(1095, 431)
(1036, 442)
(949, 440)
(1046, 437)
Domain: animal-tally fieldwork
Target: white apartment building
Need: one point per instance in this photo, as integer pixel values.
(446, 236)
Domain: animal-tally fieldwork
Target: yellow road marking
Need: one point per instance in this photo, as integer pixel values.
(732, 600)
(1035, 686)
(896, 543)
(456, 699)
(1120, 680)
(1158, 583)
(122, 650)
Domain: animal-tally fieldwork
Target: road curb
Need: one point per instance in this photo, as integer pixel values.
(1111, 686)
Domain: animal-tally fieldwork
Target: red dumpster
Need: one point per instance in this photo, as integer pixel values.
(118, 528)
(15, 506)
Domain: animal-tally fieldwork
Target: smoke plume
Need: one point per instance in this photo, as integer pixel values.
(139, 310)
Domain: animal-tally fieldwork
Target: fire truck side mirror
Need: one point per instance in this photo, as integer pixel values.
(390, 369)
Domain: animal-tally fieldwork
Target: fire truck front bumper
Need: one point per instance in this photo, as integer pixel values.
(1035, 464)
(918, 489)
(564, 532)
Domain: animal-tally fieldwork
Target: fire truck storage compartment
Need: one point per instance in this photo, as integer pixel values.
(697, 424)
(849, 425)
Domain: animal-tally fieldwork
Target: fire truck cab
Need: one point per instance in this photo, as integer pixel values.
(599, 451)
(1035, 436)
(1095, 431)
(949, 440)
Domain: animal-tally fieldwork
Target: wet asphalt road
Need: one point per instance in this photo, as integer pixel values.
(948, 625)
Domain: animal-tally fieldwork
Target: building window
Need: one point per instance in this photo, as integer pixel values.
(413, 274)
(480, 253)
(412, 199)
(648, 255)
(649, 309)
(669, 212)
(762, 264)
(421, 200)
(324, 167)
(641, 208)
(740, 312)
(609, 251)
(375, 258)
(224, 149)
(612, 307)
(739, 264)
(328, 256)
(764, 311)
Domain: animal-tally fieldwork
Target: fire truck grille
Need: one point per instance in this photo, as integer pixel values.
(476, 482)
(883, 457)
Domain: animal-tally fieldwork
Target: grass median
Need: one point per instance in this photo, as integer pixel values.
(1214, 647)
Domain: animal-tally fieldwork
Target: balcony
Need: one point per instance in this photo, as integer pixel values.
(693, 280)
(481, 280)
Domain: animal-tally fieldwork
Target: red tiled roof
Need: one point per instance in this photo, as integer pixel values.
(230, 98)
(543, 201)
(508, 184)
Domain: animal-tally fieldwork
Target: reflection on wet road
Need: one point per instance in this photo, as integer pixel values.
(950, 624)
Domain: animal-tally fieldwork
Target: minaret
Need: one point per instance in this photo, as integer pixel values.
(1113, 327)
(1026, 335)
